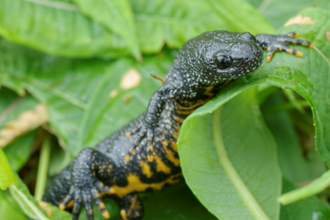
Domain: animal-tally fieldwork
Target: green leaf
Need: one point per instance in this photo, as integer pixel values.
(231, 169)
(72, 88)
(293, 165)
(11, 106)
(9, 208)
(18, 152)
(241, 16)
(58, 28)
(306, 209)
(7, 177)
(308, 76)
(27, 204)
(117, 16)
(175, 22)
(176, 203)
(280, 11)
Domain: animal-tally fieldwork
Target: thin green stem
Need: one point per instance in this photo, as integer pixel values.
(42, 169)
(232, 174)
(315, 187)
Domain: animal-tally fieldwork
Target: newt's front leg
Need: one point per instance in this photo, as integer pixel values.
(148, 128)
(273, 43)
(88, 170)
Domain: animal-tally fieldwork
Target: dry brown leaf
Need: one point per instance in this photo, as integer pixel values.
(130, 79)
(24, 123)
(299, 20)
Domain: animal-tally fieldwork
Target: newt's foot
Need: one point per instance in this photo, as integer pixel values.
(143, 131)
(275, 43)
(131, 207)
(87, 196)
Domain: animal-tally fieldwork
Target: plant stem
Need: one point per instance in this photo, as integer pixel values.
(232, 174)
(315, 187)
(42, 169)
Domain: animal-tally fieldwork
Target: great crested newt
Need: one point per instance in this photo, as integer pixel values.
(142, 155)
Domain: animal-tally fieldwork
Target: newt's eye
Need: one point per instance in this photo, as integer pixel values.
(223, 61)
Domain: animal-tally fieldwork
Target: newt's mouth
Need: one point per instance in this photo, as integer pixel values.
(256, 62)
(241, 67)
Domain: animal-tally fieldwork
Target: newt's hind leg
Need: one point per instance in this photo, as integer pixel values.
(131, 207)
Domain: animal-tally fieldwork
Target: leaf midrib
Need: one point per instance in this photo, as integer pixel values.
(55, 4)
(249, 200)
(323, 56)
(50, 89)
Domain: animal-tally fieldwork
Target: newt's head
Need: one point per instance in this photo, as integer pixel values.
(217, 56)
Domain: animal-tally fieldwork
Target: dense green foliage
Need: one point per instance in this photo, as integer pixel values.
(239, 152)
